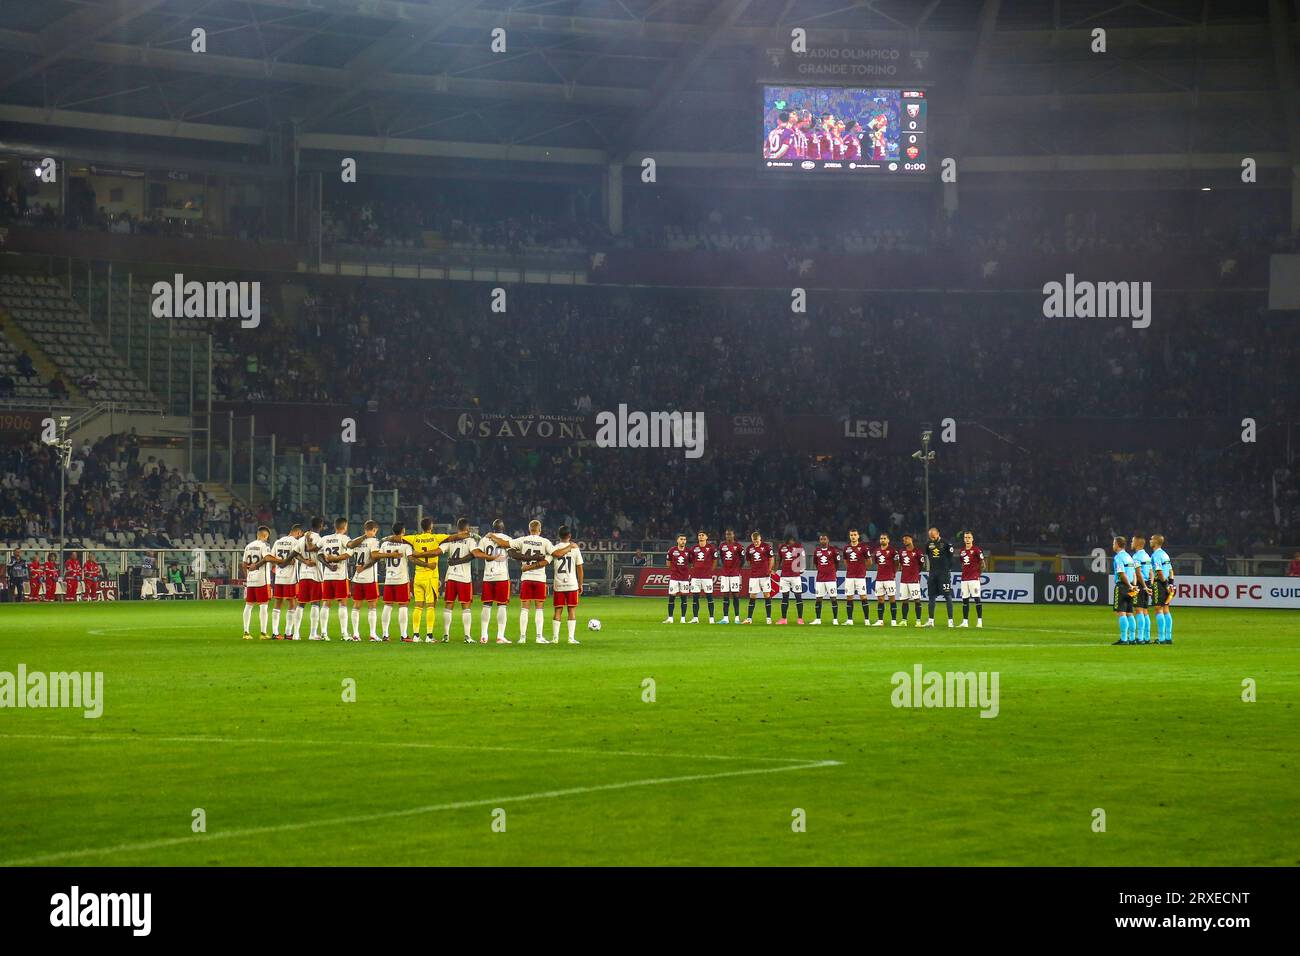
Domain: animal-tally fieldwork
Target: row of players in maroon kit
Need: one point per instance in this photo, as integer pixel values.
(691, 571)
(43, 579)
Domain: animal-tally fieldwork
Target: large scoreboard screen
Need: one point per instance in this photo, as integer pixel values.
(840, 130)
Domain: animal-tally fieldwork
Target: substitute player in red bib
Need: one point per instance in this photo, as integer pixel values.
(972, 566)
(732, 554)
(90, 572)
(703, 557)
(826, 561)
(679, 576)
(51, 576)
(71, 577)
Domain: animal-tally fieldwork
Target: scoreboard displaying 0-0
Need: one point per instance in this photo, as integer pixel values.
(1071, 588)
(844, 131)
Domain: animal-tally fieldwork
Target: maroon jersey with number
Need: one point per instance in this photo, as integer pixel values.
(856, 557)
(679, 564)
(909, 562)
(852, 145)
(819, 145)
(886, 566)
(972, 563)
(781, 136)
(826, 560)
(731, 555)
(702, 559)
(790, 552)
(758, 556)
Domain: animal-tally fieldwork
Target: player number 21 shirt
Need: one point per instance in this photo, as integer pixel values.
(566, 569)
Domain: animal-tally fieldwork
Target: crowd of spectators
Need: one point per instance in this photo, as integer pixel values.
(744, 220)
(109, 487)
(388, 346)
(1234, 501)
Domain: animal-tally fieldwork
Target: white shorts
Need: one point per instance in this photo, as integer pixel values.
(885, 588)
(760, 585)
(910, 591)
(827, 589)
(791, 585)
(854, 587)
(678, 587)
(971, 589)
(701, 585)
(729, 585)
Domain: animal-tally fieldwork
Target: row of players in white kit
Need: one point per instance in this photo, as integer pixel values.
(312, 573)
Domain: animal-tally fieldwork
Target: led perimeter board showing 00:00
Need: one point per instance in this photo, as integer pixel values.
(843, 130)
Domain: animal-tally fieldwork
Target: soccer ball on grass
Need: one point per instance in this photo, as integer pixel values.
(593, 625)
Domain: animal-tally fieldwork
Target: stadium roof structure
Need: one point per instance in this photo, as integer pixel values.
(598, 82)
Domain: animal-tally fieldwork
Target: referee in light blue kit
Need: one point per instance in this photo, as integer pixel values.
(1163, 585)
(1125, 590)
(1142, 613)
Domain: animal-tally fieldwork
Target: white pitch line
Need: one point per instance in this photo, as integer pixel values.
(421, 745)
(981, 646)
(132, 627)
(411, 811)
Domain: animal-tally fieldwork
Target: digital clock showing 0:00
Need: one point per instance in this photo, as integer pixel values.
(1072, 588)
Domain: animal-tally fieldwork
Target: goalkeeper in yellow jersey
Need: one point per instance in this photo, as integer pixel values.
(424, 588)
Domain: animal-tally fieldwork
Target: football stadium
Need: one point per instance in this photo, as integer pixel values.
(811, 433)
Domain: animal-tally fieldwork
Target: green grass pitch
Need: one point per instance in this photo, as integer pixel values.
(748, 724)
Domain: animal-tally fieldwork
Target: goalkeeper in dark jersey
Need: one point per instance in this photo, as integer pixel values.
(938, 562)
